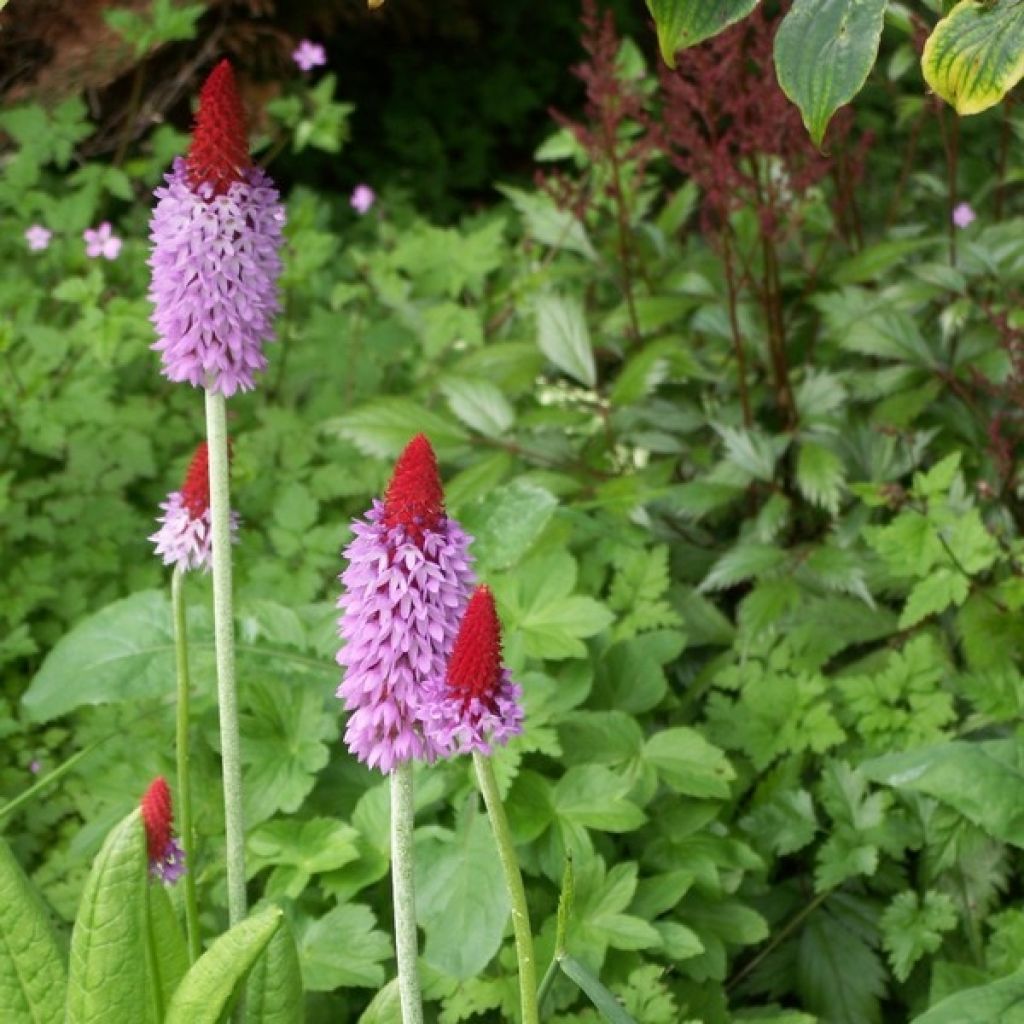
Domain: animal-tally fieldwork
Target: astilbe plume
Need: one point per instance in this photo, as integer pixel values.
(216, 234)
(166, 857)
(185, 537)
(477, 704)
(405, 587)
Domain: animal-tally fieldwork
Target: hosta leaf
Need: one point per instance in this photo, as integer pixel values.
(32, 975)
(107, 977)
(207, 990)
(824, 50)
(683, 23)
(975, 55)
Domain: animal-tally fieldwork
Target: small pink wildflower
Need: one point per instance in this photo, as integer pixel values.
(101, 241)
(35, 766)
(363, 197)
(308, 55)
(964, 215)
(38, 237)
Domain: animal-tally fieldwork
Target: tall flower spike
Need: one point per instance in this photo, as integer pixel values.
(477, 704)
(215, 259)
(184, 539)
(406, 584)
(166, 857)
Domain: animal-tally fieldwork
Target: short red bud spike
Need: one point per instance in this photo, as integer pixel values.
(166, 858)
(414, 498)
(474, 669)
(195, 491)
(219, 153)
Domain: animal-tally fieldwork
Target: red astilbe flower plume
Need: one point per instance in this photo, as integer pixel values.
(219, 154)
(478, 704)
(166, 858)
(414, 499)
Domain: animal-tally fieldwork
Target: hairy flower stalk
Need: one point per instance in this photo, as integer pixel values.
(406, 583)
(476, 706)
(216, 234)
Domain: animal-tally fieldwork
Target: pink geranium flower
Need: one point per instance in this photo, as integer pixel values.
(308, 55)
(38, 237)
(363, 197)
(101, 241)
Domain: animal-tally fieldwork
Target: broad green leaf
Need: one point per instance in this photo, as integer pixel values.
(480, 404)
(461, 900)
(32, 976)
(824, 50)
(683, 23)
(207, 990)
(274, 993)
(975, 55)
(606, 1004)
(344, 948)
(384, 426)
(385, 1007)
(595, 797)
(563, 337)
(507, 521)
(689, 764)
(170, 959)
(820, 475)
(1001, 1002)
(300, 850)
(107, 976)
(981, 780)
(549, 223)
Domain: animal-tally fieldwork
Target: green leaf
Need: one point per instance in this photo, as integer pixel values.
(479, 404)
(934, 594)
(743, 562)
(274, 993)
(164, 935)
(107, 977)
(975, 55)
(549, 223)
(384, 426)
(461, 900)
(683, 23)
(563, 337)
(1001, 1002)
(343, 948)
(912, 928)
(595, 797)
(507, 521)
(981, 780)
(820, 476)
(300, 850)
(32, 976)
(824, 50)
(689, 764)
(207, 990)
(606, 1004)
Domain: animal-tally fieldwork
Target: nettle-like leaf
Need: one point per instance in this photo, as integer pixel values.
(638, 590)
(824, 50)
(975, 55)
(912, 928)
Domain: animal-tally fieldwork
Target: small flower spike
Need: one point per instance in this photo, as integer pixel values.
(185, 538)
(406, 584)
(166, 857)
(215, 260)
(478, 704)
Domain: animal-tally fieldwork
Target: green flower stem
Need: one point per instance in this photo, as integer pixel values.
(516, 892)
(404, 889)
(224, 640)
(184, 785)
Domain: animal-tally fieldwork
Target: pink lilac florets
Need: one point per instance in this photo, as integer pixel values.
(215, 263)
(459, 725)
(185, 540)
(404, 595)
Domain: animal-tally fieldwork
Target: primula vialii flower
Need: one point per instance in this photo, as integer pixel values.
(216, 234)
(166, 857)
(477, 703)
(185, 536)
(406, 584)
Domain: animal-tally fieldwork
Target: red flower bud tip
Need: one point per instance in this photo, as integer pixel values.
(219, 154)
(414, 498)
(157, 817)
(195, 491)
(474, 669)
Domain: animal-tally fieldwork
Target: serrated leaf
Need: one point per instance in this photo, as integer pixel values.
(207, 990)
(820, 475)
(344, 948)
(107, 976)
(548, 223)
(743, 562)
(32, 976)
(563, 337)
(479, 404)
(384, 426)
(975, 55)
(824, 50)
(912, 928)
(684, 23)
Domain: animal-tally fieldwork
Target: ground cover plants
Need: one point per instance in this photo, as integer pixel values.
(659, 520)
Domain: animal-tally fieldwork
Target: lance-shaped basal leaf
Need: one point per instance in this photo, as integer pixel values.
(275, 984)
(205, 993)
(32, 978)
(824, 50)
(168, 961)
(683, 23)
(975, 55)
(997, 1003)
(107, 982)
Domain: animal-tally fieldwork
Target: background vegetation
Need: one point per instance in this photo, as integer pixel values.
(735, 422)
